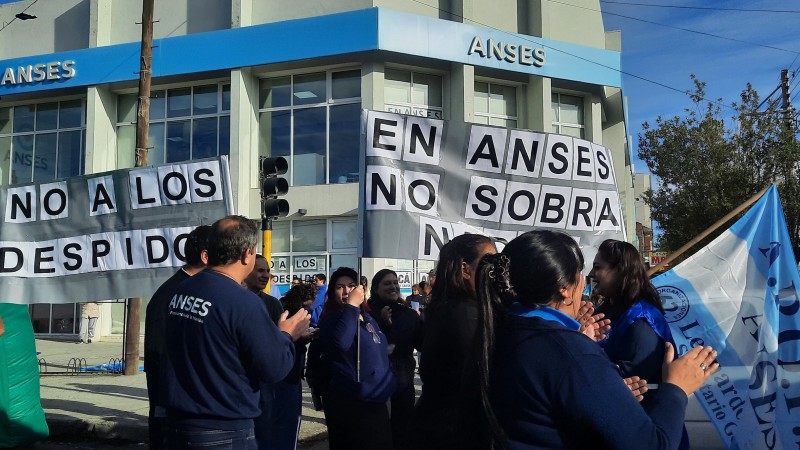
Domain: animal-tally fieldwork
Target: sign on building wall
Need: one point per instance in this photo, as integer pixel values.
(425, 181)
(108, 235)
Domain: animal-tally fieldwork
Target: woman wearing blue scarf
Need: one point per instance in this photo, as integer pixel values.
(639, 329)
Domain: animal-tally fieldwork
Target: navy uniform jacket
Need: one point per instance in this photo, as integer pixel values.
(554, 388)
(221, 345)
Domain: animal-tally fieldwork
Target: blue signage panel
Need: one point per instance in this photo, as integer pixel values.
(315, 37)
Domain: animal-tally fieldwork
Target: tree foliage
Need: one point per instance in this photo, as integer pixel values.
(708, 166)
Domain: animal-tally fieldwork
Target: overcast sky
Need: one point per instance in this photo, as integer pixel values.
(668, 55)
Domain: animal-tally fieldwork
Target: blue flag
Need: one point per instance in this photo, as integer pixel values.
(741, 295)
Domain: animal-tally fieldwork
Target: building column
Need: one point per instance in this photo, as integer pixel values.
(244, 142)
(593, 116)
(241, 13)
(100, 23)
(461, 93)
(537, 105)
(101, 136)
(372, 81)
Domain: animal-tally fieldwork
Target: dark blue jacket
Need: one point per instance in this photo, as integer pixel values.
(221, 345)
(339, 339)
(554, 388)
(316, 308)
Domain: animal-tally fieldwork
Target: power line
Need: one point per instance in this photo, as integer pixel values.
(689, 30)
(632, 75)
(15, 17)
(707, 8)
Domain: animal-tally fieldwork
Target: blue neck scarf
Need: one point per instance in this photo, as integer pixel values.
(546, 313)
(640, 310)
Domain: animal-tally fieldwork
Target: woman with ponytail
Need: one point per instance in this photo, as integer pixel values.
(448, 413)
(550, 386)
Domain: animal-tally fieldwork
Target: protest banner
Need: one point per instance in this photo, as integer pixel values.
(107, 235)
(740, 295)
(425, 181)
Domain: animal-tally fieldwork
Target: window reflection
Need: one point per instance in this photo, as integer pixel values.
(204, 138)
(69, 154)
(178, 141)
(309, 146)
(344, 143)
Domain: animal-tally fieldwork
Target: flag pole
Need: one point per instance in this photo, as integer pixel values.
(707, 231)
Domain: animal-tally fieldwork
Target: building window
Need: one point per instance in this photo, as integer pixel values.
(495, 104)
(412, 93)
(568, 115)
(302, 248)
(42, 142)
(314, 121)
(185, 123)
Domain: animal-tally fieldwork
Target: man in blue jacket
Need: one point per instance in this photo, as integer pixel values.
(222, 346)
(319, 301)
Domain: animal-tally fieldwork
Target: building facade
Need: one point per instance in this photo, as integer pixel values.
(251, 78)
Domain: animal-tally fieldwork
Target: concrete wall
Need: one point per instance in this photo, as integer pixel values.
(175, 18)
(59, 26)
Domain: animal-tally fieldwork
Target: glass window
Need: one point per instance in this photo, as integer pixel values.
(126, 142)
(309, 236)
(22, 160)
(69, 154)
(24, 117)
(5, 120)
(44, 161)
(158, 103)
(280, 236)
(568, 115)
(204, 138)
(309, 89)
(348, 260)
(276, 92)
(205, 100)
(40, 317)
(320, 141)
(344, 234)
(226, 97)
(178, 141)
(346, 84)
(46, 116)
(179, 102)
(5, 156)
(70, 114)
(309, 146)
(495, 104)
(126, 108)
(201, 132)
(407, 92)
(63, 318)
(344, 142)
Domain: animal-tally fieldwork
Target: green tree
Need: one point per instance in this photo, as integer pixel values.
(708, 166)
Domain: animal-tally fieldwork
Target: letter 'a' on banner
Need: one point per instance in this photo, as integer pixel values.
(425, 181)
(741, 295)
(108, 235)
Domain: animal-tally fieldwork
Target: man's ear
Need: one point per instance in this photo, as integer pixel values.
(246, 256)
(204, 257)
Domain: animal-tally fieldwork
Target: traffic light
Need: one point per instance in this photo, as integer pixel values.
(273, 186)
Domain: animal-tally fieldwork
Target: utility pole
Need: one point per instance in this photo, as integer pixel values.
(786, 100)
(134, 305)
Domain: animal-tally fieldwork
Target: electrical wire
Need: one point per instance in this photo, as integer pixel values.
(707, 8)
(15, 16)
(632, 75)
(689, 30)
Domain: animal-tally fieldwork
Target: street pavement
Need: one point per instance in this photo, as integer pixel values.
(102, 410)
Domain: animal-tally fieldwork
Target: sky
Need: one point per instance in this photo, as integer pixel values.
(669, 56)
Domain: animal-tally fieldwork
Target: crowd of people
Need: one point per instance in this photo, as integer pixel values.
(511, 355)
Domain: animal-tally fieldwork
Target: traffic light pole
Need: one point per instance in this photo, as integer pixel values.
(266, 246)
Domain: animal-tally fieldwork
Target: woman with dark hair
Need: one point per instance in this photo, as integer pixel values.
(400, 323)
(639, 330)
(356, 355)
(551, 386)
(448, 412)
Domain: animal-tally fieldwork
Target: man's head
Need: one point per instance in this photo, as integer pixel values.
(259, 277)
(232, 243)
(432, 276)
(296, 280)
(319, 279)
(196, 247)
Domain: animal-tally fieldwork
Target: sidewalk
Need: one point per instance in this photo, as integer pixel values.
(108, 406)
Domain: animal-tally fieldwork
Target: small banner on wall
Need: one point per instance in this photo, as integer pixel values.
(107, 235)
(425, 181)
